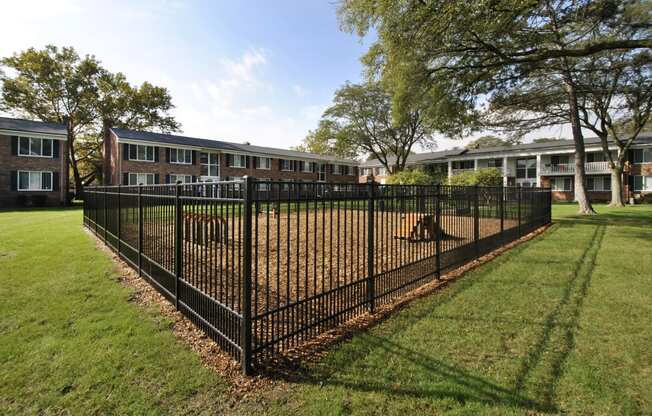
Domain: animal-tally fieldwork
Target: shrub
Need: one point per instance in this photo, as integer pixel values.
(482, 177)
(411, 177)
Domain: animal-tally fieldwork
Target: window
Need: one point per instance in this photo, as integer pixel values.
(236, 161)
(495, 163)
(141, 153)
(210, 164)
(526, 168)
(263, 163)
(34, 181)
(141, 178)
(182, 156)
(559, 159)
(381, 171)
(641, 183)
(307, 166)
(337, 169)
(28, 146)
(180, 178)
(640, 155)
(595, 157)
(598, 183)
(345, 170)
(365, 171)
(287, 165)
(264, 186)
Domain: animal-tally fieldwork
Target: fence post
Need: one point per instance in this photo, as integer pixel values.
(178, 241)
(245, 330)
(476, 221)
(104, 213)
(502, 214)
(518, 196)
(119, 220)
(140, 230)
(371, 290)
(438, 231)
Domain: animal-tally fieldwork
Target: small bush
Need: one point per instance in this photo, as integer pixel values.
(39, 200)
(411, 177)
(481, 177)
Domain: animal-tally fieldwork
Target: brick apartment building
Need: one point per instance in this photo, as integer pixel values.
(549, 164)
(33, 163)
(135, 157)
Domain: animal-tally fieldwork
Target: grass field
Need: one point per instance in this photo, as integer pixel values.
(560, 324)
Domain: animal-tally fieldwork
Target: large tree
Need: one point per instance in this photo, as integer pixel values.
(328, 139)
(53, 85)
(363, 117)
(472, 49)
(57, 85)
(614, 101)
(615, 104)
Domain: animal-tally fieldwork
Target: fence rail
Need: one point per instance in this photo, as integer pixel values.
(263, 266)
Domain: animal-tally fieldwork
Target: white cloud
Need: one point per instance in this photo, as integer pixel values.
(300, 91)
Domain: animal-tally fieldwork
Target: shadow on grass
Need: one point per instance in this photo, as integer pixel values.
(463, 386)
(530, 390)
(637, 216)
(561, 323)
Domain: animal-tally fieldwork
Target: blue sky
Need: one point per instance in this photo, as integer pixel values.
(258, 71)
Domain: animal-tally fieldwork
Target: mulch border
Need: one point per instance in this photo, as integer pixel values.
(290, 364)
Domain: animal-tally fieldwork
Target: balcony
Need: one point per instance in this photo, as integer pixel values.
(569, 168)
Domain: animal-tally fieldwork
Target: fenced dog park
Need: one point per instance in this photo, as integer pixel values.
(262, 266)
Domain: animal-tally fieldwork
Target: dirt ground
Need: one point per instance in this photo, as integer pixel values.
(299, 255)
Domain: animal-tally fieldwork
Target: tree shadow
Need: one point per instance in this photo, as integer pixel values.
(564, 318)
(556, 340)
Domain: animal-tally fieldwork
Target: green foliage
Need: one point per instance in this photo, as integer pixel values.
(411, 177)
(482, 177)
(57, 85)
(328, 139)
(362, 120)
(490, 141)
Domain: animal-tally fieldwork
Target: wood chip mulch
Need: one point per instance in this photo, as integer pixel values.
(292, 364)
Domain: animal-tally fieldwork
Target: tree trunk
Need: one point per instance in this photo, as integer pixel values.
(581, 197)
(79, 186)
(617, 187)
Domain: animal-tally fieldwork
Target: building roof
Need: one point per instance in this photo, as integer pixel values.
(31, 126)
(172, 139)
(416, 158)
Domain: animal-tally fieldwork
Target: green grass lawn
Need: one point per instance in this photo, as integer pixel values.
(560, 324)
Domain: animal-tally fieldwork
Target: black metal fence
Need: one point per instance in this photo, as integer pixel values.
(262, 266)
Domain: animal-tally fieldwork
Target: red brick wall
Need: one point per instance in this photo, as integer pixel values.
(644, 169)
(9, 163)
(117, 166)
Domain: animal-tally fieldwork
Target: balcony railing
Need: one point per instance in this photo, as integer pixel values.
(569, 168)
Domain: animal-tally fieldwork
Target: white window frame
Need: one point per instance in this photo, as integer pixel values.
(241, 158)
(30, 140)
(137, 182)
(187, 156)
(29, 180)
(646, 183)
(307, 167)
(138, 159)
(180, 177)
(291, 164)
(210, 165)
(555, 187)
(337, 169)
(598, 183)
(268, 161)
